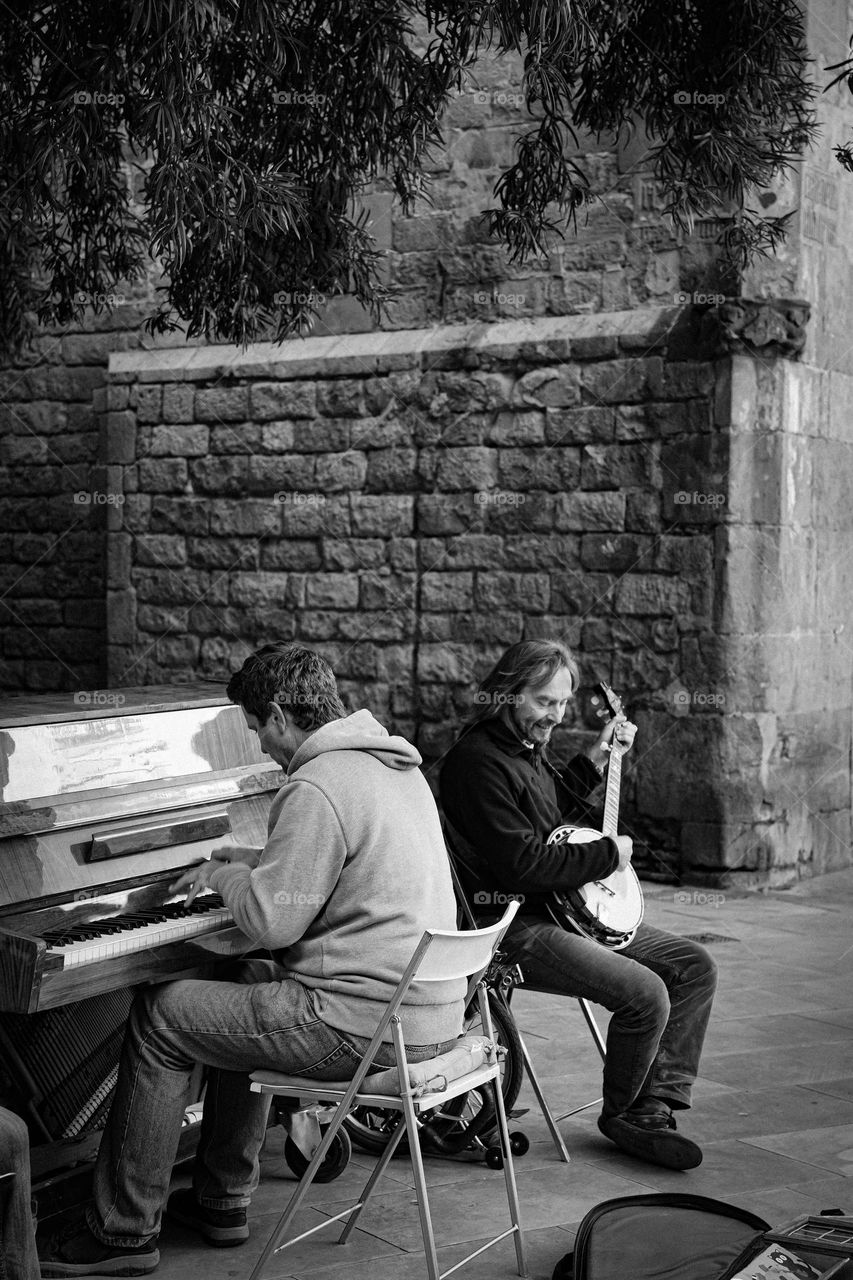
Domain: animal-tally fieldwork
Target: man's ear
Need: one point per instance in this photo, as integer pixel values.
(277, 716)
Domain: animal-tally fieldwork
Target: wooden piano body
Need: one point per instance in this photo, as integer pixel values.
(104, 799)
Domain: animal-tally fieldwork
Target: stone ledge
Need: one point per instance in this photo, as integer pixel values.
(386, 352)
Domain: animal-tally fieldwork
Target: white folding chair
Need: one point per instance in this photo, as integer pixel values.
(439, 957)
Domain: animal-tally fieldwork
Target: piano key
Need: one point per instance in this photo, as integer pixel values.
(137, 931)
(152, 935)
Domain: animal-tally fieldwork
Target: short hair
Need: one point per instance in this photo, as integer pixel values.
(299, 680)
(531, 662)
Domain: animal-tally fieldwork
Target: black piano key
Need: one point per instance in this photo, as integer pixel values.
(65, 935)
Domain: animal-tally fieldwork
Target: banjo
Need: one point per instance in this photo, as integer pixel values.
(608, 911)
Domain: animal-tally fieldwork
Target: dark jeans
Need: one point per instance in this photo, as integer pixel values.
(261, 1021)
(18, 1259)
(659, 990)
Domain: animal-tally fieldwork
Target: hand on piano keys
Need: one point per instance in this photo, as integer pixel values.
(197, 877)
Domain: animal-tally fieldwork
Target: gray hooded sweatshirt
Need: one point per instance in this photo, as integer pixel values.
(353, 871)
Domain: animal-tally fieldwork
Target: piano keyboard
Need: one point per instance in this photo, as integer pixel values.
(120, 935)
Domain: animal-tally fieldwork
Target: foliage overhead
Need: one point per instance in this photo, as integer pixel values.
(843, 153)
(231, 139)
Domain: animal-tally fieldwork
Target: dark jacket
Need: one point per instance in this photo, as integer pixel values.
(501, 801)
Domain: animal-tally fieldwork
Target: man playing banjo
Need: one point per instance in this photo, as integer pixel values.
(502, 798)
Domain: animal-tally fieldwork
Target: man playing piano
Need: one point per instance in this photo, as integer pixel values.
(353, 871)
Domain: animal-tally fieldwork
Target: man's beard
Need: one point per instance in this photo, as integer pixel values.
(538, 730)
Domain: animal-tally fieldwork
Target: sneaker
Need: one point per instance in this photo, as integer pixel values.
(223, 1228)
(78, 1252)
(651, 1137)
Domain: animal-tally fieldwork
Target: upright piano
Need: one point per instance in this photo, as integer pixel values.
(105, 798)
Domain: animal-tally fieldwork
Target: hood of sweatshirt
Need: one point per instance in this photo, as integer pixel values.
(358, 732)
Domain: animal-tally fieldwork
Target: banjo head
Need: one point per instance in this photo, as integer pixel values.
(610, 909)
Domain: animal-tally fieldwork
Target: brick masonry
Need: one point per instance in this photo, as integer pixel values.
(412, 503)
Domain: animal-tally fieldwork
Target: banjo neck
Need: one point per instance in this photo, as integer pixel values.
(610, 822)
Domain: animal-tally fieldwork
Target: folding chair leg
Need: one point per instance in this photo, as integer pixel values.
(381, 1165)
(411, 1120)
(543, 1105)
(595, 1032)
(509, 1178)
(594, 1029)
(509, 1169)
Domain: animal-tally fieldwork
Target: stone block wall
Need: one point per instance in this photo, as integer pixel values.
(412, 503)
(54, 499)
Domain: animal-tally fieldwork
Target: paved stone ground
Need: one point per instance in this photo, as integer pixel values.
(773, 1111)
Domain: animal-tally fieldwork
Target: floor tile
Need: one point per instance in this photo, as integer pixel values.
(744, 1114)
(544, 1246)
(842, 1088)
(764, 1068)
(832, 1150)
(776, 1031)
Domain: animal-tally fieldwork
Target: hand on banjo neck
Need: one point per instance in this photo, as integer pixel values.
(621, 731)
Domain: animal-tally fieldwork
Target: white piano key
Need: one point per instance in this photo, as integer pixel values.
(142, 938)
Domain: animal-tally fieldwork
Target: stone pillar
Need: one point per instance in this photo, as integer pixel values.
(781, 751)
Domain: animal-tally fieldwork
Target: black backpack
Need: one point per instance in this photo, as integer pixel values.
(676, 1237)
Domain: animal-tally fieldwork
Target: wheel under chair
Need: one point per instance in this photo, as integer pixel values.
(465, 1128)
(514, 976)
(412, 1090)
(305, 1126)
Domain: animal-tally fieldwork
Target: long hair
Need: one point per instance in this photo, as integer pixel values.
(299, 680)
(532, 662)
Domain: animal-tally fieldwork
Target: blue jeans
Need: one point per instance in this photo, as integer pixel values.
(659, 990)
(18, 1260)
(261, 1021)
